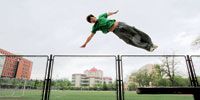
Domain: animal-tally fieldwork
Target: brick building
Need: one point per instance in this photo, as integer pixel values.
(14, 67)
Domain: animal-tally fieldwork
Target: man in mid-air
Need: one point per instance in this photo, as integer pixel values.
(127, 33)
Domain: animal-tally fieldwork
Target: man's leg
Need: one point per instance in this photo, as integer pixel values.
(123, 37)
(137, 41)
(126, 34)
(144, 36)
(137, 38)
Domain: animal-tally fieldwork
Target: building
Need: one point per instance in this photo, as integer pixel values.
(14, 67)
(107, 80)
(148, 68)
(90, 78)
(94, 76)
(93, 72)
(80, 80)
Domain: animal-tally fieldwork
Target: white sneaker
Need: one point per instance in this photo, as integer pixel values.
(153, 48)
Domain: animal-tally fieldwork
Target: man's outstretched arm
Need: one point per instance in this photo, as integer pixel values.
(112, 13)
(88, 40)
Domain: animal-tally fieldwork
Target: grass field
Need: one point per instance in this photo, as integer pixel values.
(95, 95)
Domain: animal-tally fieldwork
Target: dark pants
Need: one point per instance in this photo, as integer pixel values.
(133, 36)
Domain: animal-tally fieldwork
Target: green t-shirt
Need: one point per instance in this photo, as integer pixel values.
(103, 24)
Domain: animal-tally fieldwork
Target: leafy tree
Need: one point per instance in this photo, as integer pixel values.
(62, 84)
(111, 86)
(143, 78)
(105, 87)
(198, 78)
(180, 81)
(132, 86)
(98, 86)
(38, 84)
(156, 75)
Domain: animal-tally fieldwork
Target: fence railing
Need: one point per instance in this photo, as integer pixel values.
(21, 74)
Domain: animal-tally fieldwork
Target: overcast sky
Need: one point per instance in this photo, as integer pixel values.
(60, 26)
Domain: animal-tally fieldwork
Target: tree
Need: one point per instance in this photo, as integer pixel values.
(180, 81)
(143, 78)
(98, 86)
(163, 74)
(105, 87)
(196, 42)
(37, 84)
(157, 76)
(198, 78)
(111, 86)
(168, 68)
(132, 86)
(62, 84)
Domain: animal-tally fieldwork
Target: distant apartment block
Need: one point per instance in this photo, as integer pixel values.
(14, 67)
(90, 78)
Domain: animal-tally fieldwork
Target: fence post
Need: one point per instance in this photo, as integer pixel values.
(120, 87)
(194, 80)
(192, 72)
(117, 78)
(47, 86)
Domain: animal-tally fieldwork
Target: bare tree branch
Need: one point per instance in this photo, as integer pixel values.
(196, 42)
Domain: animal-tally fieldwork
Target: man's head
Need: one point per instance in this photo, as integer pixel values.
(91, 18)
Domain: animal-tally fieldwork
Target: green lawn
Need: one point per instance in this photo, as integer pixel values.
(95, 95)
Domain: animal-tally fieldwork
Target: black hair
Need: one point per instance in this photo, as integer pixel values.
(89, 17)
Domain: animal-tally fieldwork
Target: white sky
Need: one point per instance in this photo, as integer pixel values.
(59, 26)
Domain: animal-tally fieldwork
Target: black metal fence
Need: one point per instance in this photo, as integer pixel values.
(47, 66)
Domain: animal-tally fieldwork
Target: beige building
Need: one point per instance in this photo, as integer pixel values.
(149, 68)
(90, 78)
(79, 80)
(107, 80)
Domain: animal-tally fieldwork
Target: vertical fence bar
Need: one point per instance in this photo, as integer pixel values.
(188, 69)
(51, 71)
(122, 80)
(194, 72)
(117, 85)
(191, 72)
(193, 77)
(195, 81)
(119, 78)
(47, 89)
(45, 79)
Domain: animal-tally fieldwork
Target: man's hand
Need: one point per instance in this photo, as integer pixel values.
(83, 46)
(111, 13)
(116, 12)
(88, 40)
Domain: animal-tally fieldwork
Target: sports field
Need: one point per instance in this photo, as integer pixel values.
(95, 95)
